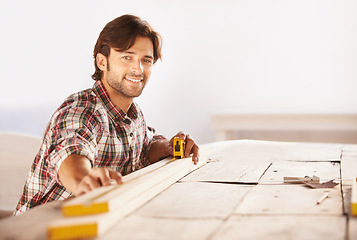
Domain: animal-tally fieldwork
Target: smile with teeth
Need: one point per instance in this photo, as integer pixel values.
(133, 80)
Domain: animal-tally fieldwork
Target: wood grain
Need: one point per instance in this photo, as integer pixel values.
(348, 174)
(271, 198)
(192, 209)
(283, 227)
(352, 228)
(195, 200)
(349, 166)
(32, 224)
(147, 228)
(121, 200)
(245, 160)
(290, 199)
(280, 169)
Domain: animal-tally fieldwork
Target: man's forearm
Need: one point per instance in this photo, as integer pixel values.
(159, 149)
(78, 176)
(72, 171)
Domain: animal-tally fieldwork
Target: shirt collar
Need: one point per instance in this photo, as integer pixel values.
(114, 112)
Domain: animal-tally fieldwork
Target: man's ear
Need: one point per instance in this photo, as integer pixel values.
(101, 61)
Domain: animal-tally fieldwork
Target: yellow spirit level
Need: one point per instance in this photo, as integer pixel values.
(178, 147)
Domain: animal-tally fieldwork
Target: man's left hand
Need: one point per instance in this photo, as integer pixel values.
(190, 146)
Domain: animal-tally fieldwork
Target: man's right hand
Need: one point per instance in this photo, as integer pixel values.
(77, 175)
(96, 178)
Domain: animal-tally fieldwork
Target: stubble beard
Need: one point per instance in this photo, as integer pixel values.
(118, 82)
(120, 87)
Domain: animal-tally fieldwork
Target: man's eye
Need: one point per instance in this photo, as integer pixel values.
(126, 57)
(147, 61)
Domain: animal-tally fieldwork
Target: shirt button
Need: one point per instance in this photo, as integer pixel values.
(131, 134)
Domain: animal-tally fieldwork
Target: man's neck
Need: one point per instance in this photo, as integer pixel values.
(119, 100)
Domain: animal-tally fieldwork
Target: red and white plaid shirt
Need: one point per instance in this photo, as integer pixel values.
(89, 124)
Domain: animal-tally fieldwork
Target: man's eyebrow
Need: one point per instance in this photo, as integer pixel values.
(129, 52)
(126, 52)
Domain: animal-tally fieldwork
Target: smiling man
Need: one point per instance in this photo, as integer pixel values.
(99, 134)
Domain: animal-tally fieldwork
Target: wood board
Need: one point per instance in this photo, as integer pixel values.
(198, 222)
(290, 199)
(279, 169)
(348, 174)
(137, 227)
(348, 166)
(104, 199)
(354, 199)
(121, 201)
(194, 200)
(32, 224)
(270, 150)
(282, 227)
(270, 197)
(352, 227)
(221, 171)
(226, 158)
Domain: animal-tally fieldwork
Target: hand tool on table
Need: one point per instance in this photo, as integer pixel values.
(178, 148)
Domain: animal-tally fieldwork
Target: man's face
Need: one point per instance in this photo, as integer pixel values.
(127, 72)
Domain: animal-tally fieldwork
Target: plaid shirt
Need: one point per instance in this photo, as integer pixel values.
(89, 124)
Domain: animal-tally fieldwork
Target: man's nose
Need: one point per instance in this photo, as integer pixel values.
(137, 67)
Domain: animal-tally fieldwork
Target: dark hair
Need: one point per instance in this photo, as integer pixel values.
(121, 34)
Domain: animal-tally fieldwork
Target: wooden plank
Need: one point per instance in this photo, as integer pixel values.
(115, 196)
(195, 200)
(290, 199)
(293, 151)
(272, 198)
(220, 171)
(32, 224)
(354, 199)
(203, 222)
(349, 167)
(224, 160)
(348, 174)
(346, 194)
(280, 169)
(147, 228)
(254, 157)
(352, 227)
(350, 148)
(97, 201)
(283, 227)
(121, 201)
(307, 152)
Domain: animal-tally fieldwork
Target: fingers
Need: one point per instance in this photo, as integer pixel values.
(96, 178)
(190, 147)
(180, 134)
(117, 177)
(170, 149)
(87, 184)
(189, 143)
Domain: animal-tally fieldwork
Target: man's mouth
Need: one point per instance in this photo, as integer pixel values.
(133, 80)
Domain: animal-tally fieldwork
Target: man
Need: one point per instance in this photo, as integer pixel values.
(99, 134)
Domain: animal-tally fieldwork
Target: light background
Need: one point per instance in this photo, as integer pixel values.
(244, 56)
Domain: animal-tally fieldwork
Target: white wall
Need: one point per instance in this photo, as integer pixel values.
(273, 56)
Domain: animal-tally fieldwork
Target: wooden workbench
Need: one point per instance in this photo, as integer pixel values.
(221, 200)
